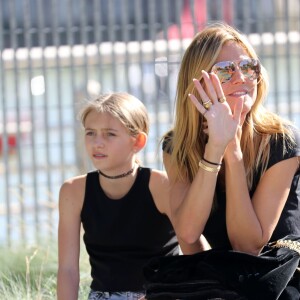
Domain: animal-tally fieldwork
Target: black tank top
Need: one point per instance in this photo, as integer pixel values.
(122, 235)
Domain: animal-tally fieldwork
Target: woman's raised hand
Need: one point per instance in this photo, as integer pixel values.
(222, 123)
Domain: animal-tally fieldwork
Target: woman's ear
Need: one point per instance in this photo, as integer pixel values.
(140, 141)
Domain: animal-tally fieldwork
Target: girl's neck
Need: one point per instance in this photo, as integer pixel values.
(118, 176)
(118, 191)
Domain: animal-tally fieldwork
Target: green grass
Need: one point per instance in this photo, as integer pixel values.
(30, 273)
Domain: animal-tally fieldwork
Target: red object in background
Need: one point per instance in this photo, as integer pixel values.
(191, 23)
(11, 142)
(14, 131)
(187, 29)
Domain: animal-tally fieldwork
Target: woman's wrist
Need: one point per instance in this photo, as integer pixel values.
(233, 155)
(213, 169)
(212, 156)
(211, 162)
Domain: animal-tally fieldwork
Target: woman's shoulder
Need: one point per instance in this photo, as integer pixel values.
(289, 141)
(285, 146)
(167, 141)
(295, 132)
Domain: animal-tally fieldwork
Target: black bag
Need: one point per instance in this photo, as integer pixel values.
(227, 274)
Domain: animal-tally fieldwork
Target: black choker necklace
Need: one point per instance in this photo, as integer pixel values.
(117, 176)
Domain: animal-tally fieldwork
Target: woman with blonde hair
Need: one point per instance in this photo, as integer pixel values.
(233, 165)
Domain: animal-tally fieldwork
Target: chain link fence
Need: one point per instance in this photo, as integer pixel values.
(57, 53)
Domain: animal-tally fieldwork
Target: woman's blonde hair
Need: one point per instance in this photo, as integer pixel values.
(188, 139)
(129, 110)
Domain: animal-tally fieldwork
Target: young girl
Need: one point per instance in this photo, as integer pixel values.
(123, 207)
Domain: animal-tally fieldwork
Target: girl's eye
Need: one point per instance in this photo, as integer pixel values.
(110, 134)
(89, 133)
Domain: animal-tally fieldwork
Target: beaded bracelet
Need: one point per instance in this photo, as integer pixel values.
(209, 169)
(212, 163)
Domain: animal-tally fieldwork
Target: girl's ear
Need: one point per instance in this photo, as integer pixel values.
(140, 141)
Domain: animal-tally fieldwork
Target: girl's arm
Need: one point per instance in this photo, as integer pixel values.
(70, 203)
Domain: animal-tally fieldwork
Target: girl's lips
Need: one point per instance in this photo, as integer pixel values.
(99, 155)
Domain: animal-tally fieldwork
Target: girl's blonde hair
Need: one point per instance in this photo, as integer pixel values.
(188, 139)
(129, 110)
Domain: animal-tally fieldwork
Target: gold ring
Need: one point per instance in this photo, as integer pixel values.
(207, 104)
(222, 99)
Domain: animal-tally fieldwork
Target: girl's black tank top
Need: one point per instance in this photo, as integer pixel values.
(122, 235)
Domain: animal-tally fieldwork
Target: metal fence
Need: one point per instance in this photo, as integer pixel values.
(56, 53)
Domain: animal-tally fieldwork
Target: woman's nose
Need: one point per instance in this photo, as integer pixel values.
(238, 76)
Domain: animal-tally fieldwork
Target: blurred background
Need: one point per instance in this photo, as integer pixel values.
(55, 54)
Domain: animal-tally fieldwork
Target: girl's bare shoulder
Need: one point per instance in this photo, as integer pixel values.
(159, 187)
(159, 178)
(72, 190)
(74, 183)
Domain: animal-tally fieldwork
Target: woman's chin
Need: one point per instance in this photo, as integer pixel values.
(243, 118)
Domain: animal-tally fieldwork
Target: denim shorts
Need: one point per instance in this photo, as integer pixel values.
(95, 295)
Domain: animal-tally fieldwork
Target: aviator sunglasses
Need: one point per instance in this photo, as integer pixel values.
(249, 67)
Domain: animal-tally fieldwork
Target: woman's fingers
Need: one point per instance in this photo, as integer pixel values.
(206, 92)
(238, 111)
(199, 106)
(217, 86)
(211, 91)
(210, 87)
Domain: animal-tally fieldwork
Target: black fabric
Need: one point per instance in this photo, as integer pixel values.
(292, 291)
(122, 235)
(226, 274)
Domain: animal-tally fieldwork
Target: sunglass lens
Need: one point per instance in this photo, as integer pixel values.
(250, 68)
(224, 70)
